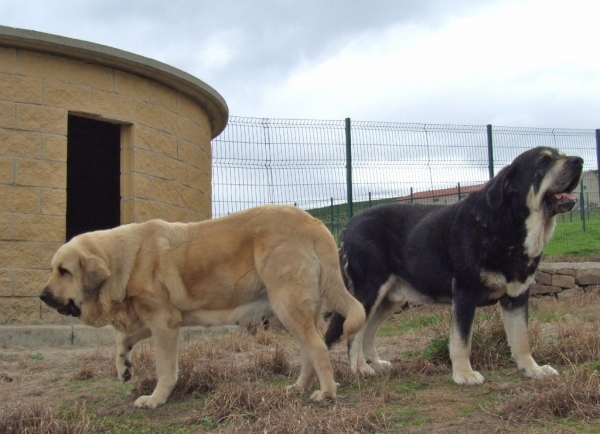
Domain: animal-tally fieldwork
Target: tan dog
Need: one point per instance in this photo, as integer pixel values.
(149, 279)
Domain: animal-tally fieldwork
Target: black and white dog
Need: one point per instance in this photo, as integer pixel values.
(482, 250)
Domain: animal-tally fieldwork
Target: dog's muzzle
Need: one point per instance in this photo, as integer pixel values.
(564, 201)
(69, 309)
(559, 203)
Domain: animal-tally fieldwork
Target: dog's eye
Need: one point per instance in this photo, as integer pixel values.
(63, 271)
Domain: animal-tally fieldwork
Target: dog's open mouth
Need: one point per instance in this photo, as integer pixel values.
(69, 309)
(64, 309)
(559, 202)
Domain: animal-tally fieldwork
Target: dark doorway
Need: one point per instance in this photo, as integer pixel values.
(93, 175)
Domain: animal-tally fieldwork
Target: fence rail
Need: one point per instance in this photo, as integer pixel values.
(336, 168)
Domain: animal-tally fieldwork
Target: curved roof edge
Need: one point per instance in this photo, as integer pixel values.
(207, 97)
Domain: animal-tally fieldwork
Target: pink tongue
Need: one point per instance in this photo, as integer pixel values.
(567, 196)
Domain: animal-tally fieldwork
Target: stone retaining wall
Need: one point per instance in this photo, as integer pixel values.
(566, 279)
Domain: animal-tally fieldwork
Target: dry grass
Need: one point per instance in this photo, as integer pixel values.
(574, 396)
(99, 364)
(87, 371)
(572, 343)
(300, 418)
(34, 419)
(198, 377)
(201, 370)
(256, 409)
(489, 348)
(563, 343)
(236, 402)
(236, 382)
(273, 362)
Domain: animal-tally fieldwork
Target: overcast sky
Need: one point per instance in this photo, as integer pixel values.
(533, 63)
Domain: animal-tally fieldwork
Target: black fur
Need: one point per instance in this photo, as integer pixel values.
(440, 251)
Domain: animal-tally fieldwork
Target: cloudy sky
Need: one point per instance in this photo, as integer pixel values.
(531, 63)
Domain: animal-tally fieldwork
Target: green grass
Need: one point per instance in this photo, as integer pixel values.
(408, 322)
(569, 238)
(410, 416)
(406, 388)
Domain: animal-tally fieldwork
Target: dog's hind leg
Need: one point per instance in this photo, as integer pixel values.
(307, 373)
(296, 308)
(383, 312)
(125, 344)
(514, 316)
(358, 362)
(361, 348)
(463, 313)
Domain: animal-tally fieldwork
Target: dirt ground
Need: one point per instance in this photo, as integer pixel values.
(78, 386)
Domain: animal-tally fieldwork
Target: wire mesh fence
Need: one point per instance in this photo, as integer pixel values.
(336, 168)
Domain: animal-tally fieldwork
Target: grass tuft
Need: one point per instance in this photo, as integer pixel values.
(575, 396)
(30, 419)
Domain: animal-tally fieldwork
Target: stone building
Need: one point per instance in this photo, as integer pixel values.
(91, 137)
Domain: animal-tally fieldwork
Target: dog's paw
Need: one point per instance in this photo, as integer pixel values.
(365, 370)
(321, 395)
(295, 388)
(381, 365)
(468, 378)
(540, 371)
(148, 401)
(124, 371)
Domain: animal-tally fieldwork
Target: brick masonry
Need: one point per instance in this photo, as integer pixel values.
(165, 161)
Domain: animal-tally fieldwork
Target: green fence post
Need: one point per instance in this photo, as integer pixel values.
(459, 192)
(348, 170)
(490, 142)
(332, 215)
(369, 199)
(598, 162)
(582, 207)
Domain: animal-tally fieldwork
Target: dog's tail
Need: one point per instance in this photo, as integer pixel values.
(349, 316)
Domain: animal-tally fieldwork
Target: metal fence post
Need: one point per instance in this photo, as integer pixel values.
(582, 207)
(490, 150)
(332, 215)
(598, 162)
(348, 169)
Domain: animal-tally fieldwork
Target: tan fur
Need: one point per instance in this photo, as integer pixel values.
(149, 279)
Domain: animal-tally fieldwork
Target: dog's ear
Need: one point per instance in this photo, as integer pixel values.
(95, 273)
(500, 185)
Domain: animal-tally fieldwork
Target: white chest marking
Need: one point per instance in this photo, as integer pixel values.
(497, 282)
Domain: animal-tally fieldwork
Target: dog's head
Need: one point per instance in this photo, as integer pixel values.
(542, 178)
(77, 275)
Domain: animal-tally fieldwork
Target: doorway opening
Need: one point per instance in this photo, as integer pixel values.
(93, 175)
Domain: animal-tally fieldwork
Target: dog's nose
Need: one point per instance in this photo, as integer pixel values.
(576, 161)
(45, 296)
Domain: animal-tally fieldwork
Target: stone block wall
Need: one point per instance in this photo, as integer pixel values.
(566, 279)
(165, 161)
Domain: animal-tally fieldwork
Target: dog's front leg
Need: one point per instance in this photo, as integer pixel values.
(125, 344)
(165, 343)
(514, 316)
(463, 313)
